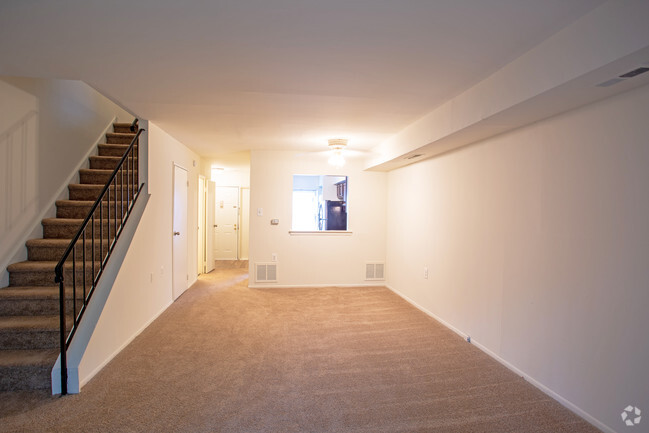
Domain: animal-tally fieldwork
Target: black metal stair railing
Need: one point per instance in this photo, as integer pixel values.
(86, 256)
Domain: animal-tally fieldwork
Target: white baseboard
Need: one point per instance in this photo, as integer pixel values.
(563, 401)
(310, 286)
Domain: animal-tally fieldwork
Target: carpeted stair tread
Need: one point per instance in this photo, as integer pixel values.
(98, 176)
(112, 149)
(29, 323)
(104, 162)
(14, 358)
(67, 228)
(90, 191)
(52, 243)
(76, 203)
(35, 300)
(119, 138)
(26, 369)
(31, 292)
(53, 249)
(36, 266)
(122, 127)
(30, 332)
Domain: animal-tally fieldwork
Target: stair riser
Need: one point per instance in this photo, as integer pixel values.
(46, 278)
(122, 129)
(54, 254)
(112, 149)
(21, 378)
(91, 194)
(33, 307)
(12, 339)
(68, 231)
(101, 178)
(67, 210)
(103, 164)
(119, 139)
(80, 212)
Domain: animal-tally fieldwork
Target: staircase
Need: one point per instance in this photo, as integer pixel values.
(29, 307)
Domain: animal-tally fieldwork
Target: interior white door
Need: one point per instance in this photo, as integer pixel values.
(179, 233)
(200, 262)
(226, 218)
(244, 236)
(209, 239)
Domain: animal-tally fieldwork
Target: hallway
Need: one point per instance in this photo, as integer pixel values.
(226, 358)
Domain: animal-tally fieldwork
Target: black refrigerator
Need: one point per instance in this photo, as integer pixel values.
(335, 215)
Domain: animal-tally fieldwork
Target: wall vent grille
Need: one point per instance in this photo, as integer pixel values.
(265, 272)
(374, 271)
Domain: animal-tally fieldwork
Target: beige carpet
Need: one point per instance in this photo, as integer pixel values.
(225, 358)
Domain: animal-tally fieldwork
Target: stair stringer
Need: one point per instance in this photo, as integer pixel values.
(88, 324)
(35, 230)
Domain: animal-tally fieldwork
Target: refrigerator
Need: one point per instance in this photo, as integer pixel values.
(335, 215)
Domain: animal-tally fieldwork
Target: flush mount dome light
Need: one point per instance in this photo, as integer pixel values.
(337, 145)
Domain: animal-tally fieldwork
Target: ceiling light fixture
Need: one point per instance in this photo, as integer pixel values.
(337, 145)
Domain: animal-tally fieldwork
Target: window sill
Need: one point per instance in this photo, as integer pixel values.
(320, 233)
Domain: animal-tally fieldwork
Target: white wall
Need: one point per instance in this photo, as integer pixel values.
(62, 121)
(236, 169)
(322, 259)
(142, 289)
(537, 245)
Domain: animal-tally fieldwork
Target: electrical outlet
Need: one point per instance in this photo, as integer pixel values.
(425, 273)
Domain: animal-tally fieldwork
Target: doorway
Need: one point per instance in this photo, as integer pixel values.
(180, 275)
(202, 218)
(244, 232)
(226, 223)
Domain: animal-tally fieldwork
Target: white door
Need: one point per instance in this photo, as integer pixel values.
(244, 230)
(226, 217)
(209, 239)
(200, 262)
(179, 234)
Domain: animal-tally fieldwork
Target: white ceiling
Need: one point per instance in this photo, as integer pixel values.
(229, 75)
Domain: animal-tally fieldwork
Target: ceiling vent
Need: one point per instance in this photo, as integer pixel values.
(416, 155)
(620, 78)
(635, 72)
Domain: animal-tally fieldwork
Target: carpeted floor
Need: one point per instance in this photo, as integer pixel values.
(225, 358)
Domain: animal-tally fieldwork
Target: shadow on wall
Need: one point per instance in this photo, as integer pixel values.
(19, 122)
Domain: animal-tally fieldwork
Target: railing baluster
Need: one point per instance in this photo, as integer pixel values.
(115, 223)
(104, 199)
(83, 242)
(108, 243)
(74, 283)
(92, 244)
(121, 194)
(101, 233)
